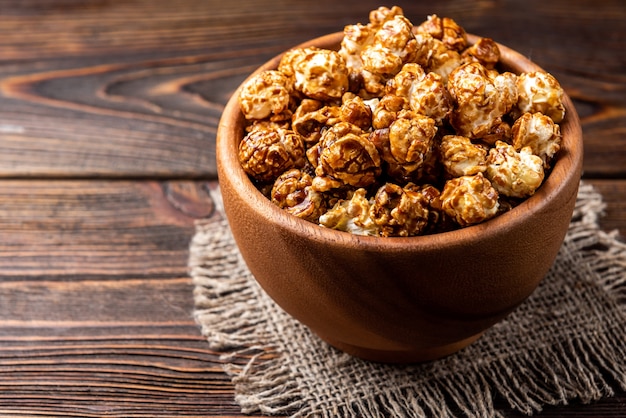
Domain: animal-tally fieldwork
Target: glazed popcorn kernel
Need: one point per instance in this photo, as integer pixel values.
(265, 95)
(469, 199)
(352, 215)
(399, 212)
(394, 45)
(484, 51)
(292, 191)
(435, 57)
(512, 173)
(481, 98)
(317, 73)
(356, 111)
(312, 117)
(540, 133)
(411, 137)
(405, 130)
(266, 154)
(425, 92)
(345, 157)
(540, 92)
(446, 30)
(461, 157)
(386, 110)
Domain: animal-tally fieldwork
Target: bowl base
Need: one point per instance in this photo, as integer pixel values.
(402, 356)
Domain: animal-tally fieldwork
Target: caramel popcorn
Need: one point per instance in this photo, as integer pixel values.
(540, 92)
(435, 57)
(401, 212)
(376, 52)
(356, 111)
(469, 199)
(379, 16)
(410, 138)
(292, 191)
(540, 133)
(266, 154)
(387, 109)
(481, 98)
(461, 157)
(344, 157)
(394, 45)
(352, 215)
(425, 92)
(512, 173)
(312, 117)
(405, 130)
(485, 51)
(265, 95)
(317, 73)
(446, 30)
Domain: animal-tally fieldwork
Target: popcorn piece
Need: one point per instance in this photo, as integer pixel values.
(481, 97)
(345, 157)
(387, 110)
(381, 15)
(311, 117)
(411, 137)
(355, 39)
(539, 91)
(376, 52)
(469, 200)
(501, 131)
(266, 154)
(512, 173)
(266, 94)
(399, 212)
(407, 143)
(351, 215)
(426, 169)
(540, 133)
(484, 51)
(446, 30)
(317, 73)
(425, 92)
(443, 60)
(292, 191)
(434, 56)
(354, 110)
(394, 45)
(438, 220)
(460, 157)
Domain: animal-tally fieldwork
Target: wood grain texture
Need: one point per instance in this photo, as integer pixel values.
(136, 89)
(95, 302)
(108, 113)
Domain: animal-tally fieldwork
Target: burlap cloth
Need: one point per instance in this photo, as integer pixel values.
(567, 341)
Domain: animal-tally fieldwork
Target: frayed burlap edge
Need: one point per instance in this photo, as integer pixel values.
(289, 371)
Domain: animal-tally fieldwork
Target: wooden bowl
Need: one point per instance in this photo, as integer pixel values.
(399, 299)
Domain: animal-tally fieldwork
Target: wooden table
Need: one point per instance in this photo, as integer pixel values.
(108, 113)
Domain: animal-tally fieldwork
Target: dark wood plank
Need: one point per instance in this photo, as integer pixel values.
(95, 302)
(614, 195)
(97, 229)
(94, 367)
(123, 89)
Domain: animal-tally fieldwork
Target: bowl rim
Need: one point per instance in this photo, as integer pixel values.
(567, 167)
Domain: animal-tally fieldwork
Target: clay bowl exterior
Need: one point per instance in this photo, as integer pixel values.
(399, 299)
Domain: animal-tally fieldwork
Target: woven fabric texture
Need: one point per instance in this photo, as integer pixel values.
(567, 341)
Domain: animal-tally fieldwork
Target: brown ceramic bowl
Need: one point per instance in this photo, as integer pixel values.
(399, 299)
